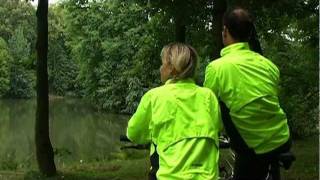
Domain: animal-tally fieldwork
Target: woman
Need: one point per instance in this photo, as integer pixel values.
(180, 119)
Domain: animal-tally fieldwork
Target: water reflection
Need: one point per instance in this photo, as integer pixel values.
(78, 132)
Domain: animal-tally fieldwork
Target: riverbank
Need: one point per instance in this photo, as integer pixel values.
(133, 165)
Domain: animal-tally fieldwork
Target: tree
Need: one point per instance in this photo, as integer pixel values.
(111, 53)
(14, 14)
(219, 8)
(44, 150)
(17, 28)
(116, 45)
(5, 59)
(62, 69)
(21, 75)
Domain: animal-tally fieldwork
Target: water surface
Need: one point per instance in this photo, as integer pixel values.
(78, 132)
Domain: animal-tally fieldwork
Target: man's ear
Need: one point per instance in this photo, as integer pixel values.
(225, 31)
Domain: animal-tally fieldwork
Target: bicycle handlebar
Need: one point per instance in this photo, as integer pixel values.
(124, 138)
(224, 142)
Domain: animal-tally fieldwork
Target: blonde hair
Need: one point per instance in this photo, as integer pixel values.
(182, 57)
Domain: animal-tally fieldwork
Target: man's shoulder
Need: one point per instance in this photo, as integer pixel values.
(217, 61)
(220, 63)
(205, 90)
(269, 61)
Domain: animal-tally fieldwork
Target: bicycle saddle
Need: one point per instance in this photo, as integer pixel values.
(286, 159)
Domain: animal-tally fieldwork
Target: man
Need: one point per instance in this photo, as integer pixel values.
(247, 84)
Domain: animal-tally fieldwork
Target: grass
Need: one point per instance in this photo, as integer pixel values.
(114, 170)
(306, 166)
(134, 165)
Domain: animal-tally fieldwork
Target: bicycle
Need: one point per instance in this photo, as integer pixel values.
(226, 170)
(282, 160)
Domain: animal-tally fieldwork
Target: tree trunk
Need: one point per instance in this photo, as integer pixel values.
(180, 29)
(44, 150)
(180, 20)
(218, 10)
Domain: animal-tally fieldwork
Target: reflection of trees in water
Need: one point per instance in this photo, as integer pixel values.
(17, 123)
(4, 131)
(87, 134)
(78, 132)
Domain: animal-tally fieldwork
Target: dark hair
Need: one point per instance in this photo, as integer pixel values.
(241, 27)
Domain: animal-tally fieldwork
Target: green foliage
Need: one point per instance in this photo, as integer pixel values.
(5, 59)
(19, 46)
(114, 50)
(293, 46)
(17, 28)
(22, 78)
(117, 46)
(62, 69)
(108, 51)
(8, 161)
(15, 13)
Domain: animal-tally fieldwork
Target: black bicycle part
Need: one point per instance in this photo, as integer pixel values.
(236, 141)
(224, 143)
(124, 138)
(280, 157)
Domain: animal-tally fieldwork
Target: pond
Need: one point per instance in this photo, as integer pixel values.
(78, 133)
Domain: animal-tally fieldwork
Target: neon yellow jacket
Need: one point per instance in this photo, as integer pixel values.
(248, 84)
(183, 120)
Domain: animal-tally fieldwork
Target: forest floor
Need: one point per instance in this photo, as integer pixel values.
(306, 167)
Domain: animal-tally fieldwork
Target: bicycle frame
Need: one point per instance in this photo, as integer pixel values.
(226, 171)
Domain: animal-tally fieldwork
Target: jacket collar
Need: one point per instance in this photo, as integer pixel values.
(178, 81)
(234, 47)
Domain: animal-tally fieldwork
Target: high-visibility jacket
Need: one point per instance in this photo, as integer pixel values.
(248, 84)
(182, 120)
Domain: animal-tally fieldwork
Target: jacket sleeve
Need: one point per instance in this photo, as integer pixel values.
(211, 80)
(216, 113)
(138, 126)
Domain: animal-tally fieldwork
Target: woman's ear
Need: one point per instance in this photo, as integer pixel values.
(173, 71)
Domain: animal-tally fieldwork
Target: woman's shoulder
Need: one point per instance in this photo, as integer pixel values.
(165, 89)
(156, 90)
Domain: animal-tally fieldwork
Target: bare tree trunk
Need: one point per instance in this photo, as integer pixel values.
(180, 20)
(219, 8)
(44, 150)
(180, 29)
